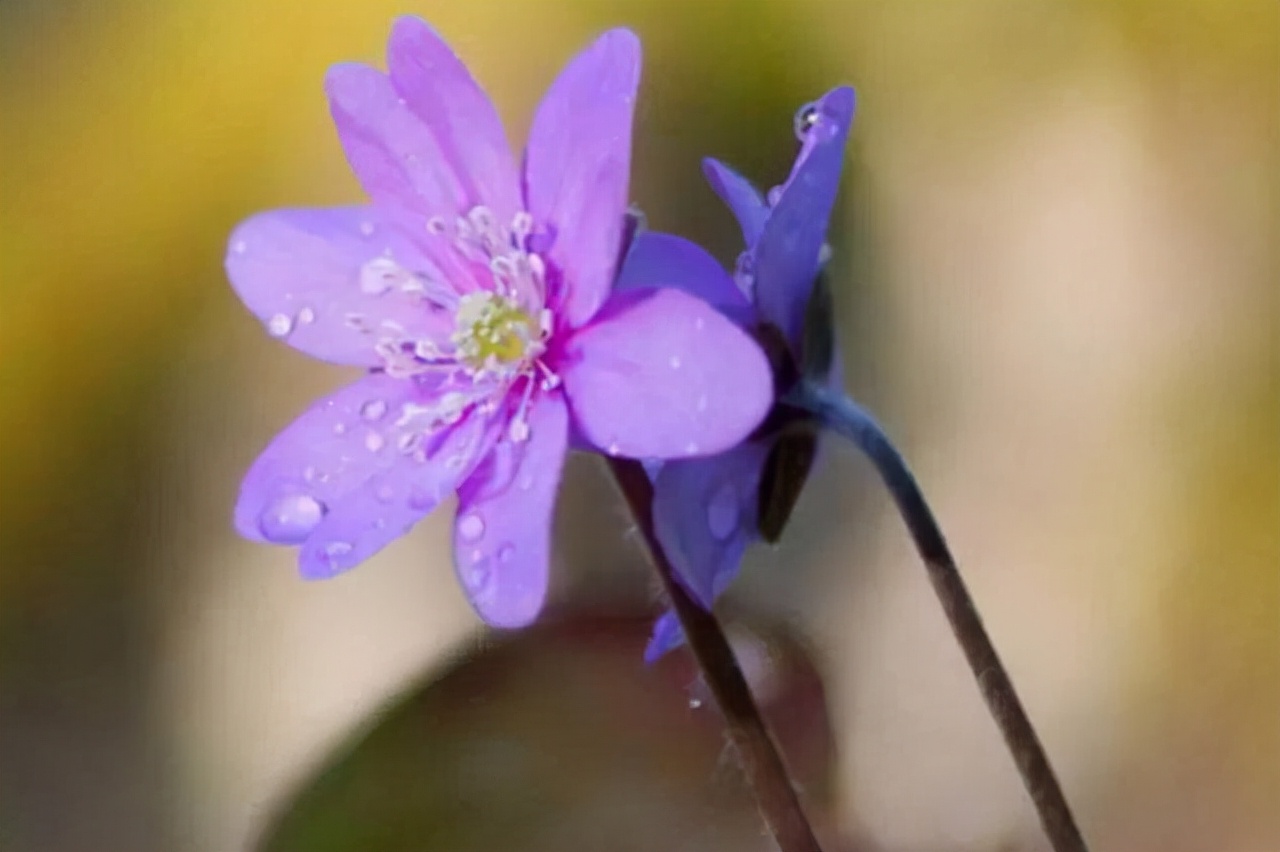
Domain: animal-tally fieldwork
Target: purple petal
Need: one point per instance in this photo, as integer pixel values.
(787, 256)
(388, 504)
(393, 153)
(661, 374)
(333, 282)
(502, 535)
(741, 196)
(442, 94)
(577, 167)
(665, 260)
(329, 453)
(704, 513)
(667, 636)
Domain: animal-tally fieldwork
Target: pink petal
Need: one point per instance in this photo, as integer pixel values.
(398, 160)
(665, 260)
(660, 374)
(502, 535)
(309, 473)
(332, 282)
(577, 167)
(442, 94)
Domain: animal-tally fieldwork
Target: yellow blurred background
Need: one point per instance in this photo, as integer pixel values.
(1057, 276)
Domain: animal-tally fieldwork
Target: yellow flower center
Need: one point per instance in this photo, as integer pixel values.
(492, 332)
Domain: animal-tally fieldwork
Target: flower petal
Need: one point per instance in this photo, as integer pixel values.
(333, 282)
(388, 504)
(741, 196)
(666, 637)
(787, 256)
(665, 260)
(660, 374)
(704, 513)
(577, 167)
(502, 535)
(393, 153)
(442, 94)
(329, 453)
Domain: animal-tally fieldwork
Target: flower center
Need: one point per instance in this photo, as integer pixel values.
(495, 335)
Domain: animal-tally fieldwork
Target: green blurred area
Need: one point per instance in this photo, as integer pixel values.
(134, 388)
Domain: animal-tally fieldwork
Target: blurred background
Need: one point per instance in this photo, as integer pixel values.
(1057, 275)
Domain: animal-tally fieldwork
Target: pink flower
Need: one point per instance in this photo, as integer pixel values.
(477, 295)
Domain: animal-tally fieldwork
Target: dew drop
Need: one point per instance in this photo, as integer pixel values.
(373, 442)
(306, 316)
(290, 519)
(279, 325)
(240, 247)
(373, 410)
(421, 500)
(337, 549)
(477, 576)
(674, 362)
(807, 118)
(506, 552)
(722, 512)
(366, 228)
(614, 449)
(691, 448)
(773, 196)
(695, 703)
(471, 527)
(385, 493)
(339, 428)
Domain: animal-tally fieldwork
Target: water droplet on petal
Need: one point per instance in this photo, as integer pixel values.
(695, 703)
(506, 552)
(385, 493)
(614, 449)
(279, 325)
(675, 362)
(240, 247)
(373, 410)
(290, 519)
(339, 428)
(335, 550)
(306, 316)
(773, 196)
(476, 577)
(691, 448)
(366, 228)
(373, 442)
(471, 526)
(722, 512)
(807, 118)
(421, 500)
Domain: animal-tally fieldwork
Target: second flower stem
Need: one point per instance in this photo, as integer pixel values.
(761, 761)
(845, 417)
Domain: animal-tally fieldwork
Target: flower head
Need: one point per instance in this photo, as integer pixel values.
(707, 510)
(477, 297)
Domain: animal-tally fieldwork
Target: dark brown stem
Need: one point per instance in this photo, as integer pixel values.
(761, 761)
(845, 417)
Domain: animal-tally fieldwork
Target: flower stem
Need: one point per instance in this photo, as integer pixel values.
(761, 761)
(845, 417)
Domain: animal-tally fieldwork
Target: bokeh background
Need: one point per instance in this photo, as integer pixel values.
(1057, 276)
